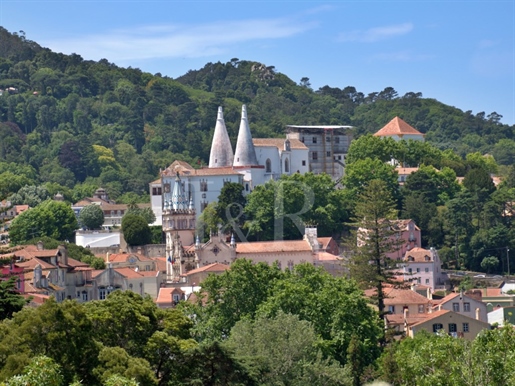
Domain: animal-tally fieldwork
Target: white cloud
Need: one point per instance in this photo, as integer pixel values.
(376, 34)
(169, 41)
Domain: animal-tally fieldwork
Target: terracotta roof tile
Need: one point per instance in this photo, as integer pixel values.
(419, 255)
(214, 267)
(278, 143)
(128, 273)
(326, 256)
(124, 257)
(394, 296)
(397, 127)
(165, 294)
(273, 246)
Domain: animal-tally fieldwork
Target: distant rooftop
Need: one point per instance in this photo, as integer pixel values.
(328, 127)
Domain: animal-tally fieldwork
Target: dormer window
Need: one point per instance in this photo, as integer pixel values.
(410, 258)
(426, 258)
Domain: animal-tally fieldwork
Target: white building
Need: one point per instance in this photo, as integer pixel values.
(254, 162)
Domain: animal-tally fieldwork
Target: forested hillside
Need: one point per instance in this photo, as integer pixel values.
(79, 124)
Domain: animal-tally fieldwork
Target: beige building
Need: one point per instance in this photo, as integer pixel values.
(445, 321)
(465, 305)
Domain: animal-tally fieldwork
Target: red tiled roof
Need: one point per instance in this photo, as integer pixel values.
(326, 256)
(214, 267)
(278, 143)
(165, 295)
(397, 127)
(124, 257)
(273, 246)
(394, 296)
(129, 273)
(324, 241)
(433, 315)
(419, 255)
(405, 171)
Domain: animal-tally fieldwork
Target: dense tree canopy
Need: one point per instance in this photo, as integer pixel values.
(91, 216)
(50, 218)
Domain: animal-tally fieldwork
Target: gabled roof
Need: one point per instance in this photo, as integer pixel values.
(124, 257)
(418, 255)
(165, 294)
(273, 246)
(397, 127)
(326, 256)
(324, 241)
(214, 267)
(434, 315)
(278, 143)
(398, 296)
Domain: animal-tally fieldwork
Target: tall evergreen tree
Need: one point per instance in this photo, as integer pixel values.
(374, 236)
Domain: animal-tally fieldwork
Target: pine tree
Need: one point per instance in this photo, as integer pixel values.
(374, 237)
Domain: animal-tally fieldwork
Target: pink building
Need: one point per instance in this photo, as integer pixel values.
(409, 235)
(13, 270)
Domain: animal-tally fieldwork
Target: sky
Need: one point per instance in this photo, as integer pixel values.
(458, 52)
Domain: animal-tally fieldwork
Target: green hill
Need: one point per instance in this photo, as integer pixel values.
(80, 124)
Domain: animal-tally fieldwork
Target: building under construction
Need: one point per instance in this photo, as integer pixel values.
(328, 146)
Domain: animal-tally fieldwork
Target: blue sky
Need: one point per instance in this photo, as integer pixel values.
(458, 52)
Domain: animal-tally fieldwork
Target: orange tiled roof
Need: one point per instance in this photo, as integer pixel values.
(273, 246)
(397, 127)
(160, 263)
(213, 267)
(129, 273)
(394, 296)
(326, 256)
(419, 255)
(398, 319)
(405, 171)
(124, 257)
(278, 143)
(185, 169)
(324, 241)
(433, 315)
(165, 294)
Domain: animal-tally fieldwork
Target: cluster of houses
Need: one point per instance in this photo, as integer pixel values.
(174, 271)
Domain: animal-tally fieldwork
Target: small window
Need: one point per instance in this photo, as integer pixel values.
(437, 327)
(203, 186)
(315, 156)
(303, 162)
(466, 307)
(246, 187)
(268, 166)
(453, 327)
(314, 139)
(328, 139)
(336, 139)
(101, 293)
(427, 281)
(391, 309)
(410, 270)
(84, 295)
(420, 308)
(418, 270)
(456, 307)
(302, 140)
(286, 165)
(466, 327)
(426, 269)
(328, 154)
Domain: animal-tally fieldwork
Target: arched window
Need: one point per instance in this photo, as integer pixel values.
(268, 166)
(286, 165)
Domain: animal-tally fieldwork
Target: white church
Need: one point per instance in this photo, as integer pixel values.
(253, 163)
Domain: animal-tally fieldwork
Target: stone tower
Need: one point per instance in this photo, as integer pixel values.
(245, 154)
(221, 149)
(179, 227)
